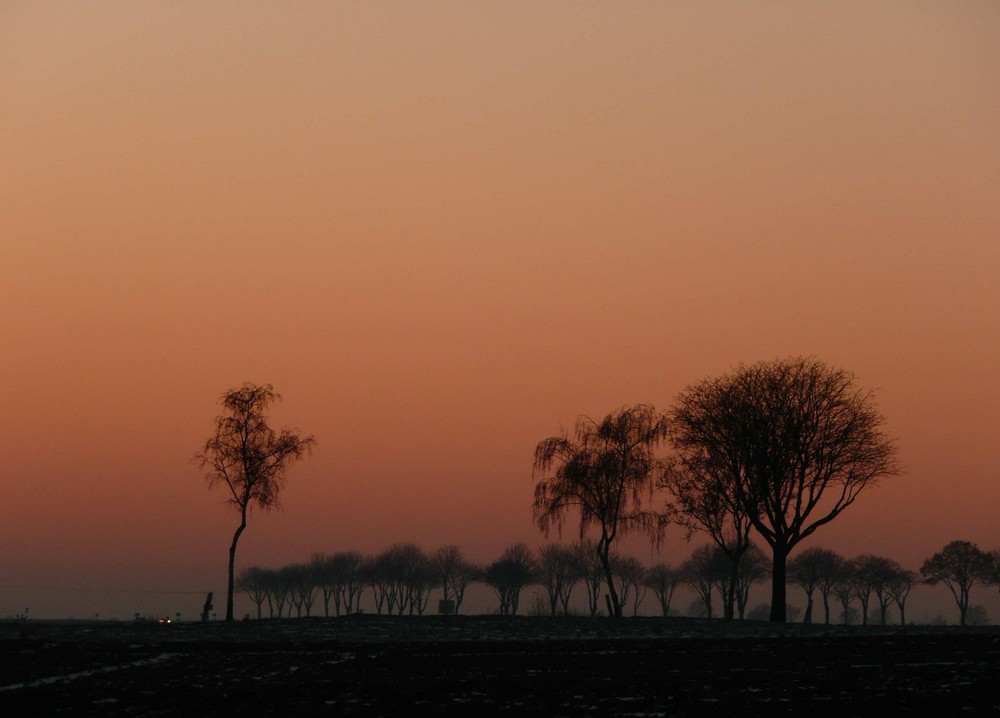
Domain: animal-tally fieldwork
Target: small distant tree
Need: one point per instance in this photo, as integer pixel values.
(378, 577)
(286, 579)
(320, 565)
(703, 571)
(960, 565)
(249, 458)
(465, 574)
(590, 571)
(302, 584)
(883, 573)
(704, 499)
(629, 573)
(277, 592)
(446, 561)
(508, 575)
(814, 568)
(402, 577)
(902, 583)
(753, 566)
(860, 577)
(558, 573)
(608, 473)
(843, 589)
(419, 578)
(253, 581)
(663, 580)
(345, 572)
(871, 575)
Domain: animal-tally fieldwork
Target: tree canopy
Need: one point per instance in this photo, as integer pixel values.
(789, 443)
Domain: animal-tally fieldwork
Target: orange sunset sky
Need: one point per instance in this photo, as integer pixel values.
(442, 230)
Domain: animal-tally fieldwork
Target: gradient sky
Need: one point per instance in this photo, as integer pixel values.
(442, 230)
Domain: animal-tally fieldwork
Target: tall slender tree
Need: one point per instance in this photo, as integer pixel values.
(249, 458)
(608, 473)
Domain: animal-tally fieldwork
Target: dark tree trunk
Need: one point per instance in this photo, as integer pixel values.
(826, 609)
(778, 588)
(729, 596)
(808, 618)
(604, 552)
(232, 565)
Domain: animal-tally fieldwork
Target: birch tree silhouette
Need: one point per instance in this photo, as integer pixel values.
(249, 458)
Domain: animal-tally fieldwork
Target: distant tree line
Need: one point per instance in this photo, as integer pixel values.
(402, 579)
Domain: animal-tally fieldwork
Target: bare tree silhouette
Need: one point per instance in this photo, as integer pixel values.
(515, 569)
(254, 582)
(799, 443)
(960, 565)
(703, 571)
(663, 579)
(249, 458)
(558, 573)
(607, 472)
(815, 568)
(402, 577)
(752, 566)
(465, 574)
(899, 590)
(703, 499)
(629, 573)
(591, 572)
(881, 574)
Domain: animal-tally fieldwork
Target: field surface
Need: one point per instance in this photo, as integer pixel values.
(487, 665)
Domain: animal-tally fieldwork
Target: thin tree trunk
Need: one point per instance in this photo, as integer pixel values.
(808, 618)
(778, 588)
(232, 565)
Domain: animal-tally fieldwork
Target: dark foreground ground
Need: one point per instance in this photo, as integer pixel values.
(369, 665)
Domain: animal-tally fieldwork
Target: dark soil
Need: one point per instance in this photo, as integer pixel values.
(370, 665)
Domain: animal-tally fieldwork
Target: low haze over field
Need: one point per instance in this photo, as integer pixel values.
(442, 231)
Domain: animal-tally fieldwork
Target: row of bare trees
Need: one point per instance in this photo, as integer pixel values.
(401, 578)
(780, 448)
(959, 566)
(845, 581)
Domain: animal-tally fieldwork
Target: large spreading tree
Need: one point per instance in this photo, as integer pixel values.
(790, 444)
(606, 472)
(249, 458)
